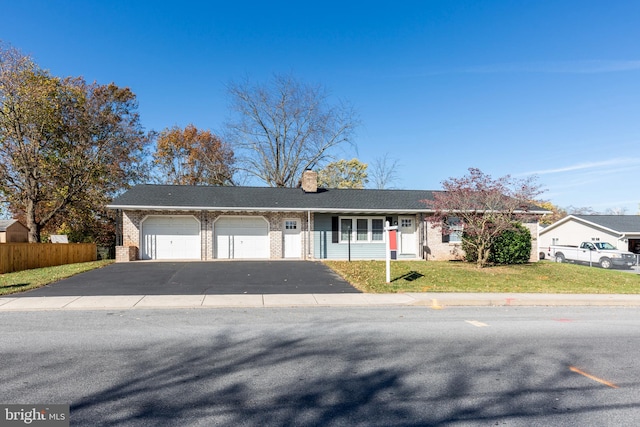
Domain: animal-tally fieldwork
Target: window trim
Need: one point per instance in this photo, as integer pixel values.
(354, 230)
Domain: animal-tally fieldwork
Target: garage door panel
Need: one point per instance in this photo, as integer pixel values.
(243, 232)
(171, 237)
(242, 238)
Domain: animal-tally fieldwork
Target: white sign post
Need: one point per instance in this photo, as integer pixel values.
(387, 228)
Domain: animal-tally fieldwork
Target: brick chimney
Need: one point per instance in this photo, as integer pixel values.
(310, 181)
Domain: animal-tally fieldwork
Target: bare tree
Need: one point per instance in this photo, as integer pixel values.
(383, 172)
(284, 127)
(581, 210)
(616, 211)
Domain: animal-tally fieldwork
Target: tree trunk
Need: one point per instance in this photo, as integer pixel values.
(483, 256)
(32, 224)
(480, 256)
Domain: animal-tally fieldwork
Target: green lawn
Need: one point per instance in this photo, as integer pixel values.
(443, 276)
(30, 279)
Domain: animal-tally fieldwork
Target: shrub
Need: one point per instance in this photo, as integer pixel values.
(511, 247)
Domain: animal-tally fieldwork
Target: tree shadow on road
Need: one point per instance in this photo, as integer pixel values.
(234, 379)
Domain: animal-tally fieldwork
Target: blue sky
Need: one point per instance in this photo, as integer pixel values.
(514, 87)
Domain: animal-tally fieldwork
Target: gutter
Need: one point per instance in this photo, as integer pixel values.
(275, 209)
(262, 209)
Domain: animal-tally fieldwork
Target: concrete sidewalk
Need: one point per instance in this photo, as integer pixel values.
(431, 300)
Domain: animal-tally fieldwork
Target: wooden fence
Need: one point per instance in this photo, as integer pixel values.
(24, 256)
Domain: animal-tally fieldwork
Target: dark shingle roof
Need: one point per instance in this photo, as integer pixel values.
(268, 198)
(619, 223)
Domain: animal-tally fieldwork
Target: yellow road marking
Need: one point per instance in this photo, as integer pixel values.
(591, 377)
(435, 305)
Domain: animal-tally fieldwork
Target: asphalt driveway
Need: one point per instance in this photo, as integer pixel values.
(197, 278)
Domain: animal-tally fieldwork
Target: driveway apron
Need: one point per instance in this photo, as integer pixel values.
(197, 278)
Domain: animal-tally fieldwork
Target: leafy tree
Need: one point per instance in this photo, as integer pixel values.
(4, 210)
(485, 207)
(83, 224)
(343, 174)
(285, 127)
(555, 215)
(191, 156)
(64, 143)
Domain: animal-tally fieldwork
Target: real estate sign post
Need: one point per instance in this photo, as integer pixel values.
(387, 238)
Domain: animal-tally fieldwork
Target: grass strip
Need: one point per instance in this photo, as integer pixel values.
(21, 281)
(447, 276)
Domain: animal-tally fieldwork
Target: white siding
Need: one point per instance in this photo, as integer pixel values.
(573, 232)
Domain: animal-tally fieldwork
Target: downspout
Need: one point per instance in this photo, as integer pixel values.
(308, 240)
(422, 237)
(206, 240)
(119, 228)
(537, 240)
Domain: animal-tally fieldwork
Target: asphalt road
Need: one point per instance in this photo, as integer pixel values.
(408, 366)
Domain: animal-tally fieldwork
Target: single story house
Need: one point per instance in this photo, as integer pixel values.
(164, 222)
(12, 231)
(622, 231)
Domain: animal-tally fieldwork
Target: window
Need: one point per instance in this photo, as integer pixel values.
(363, 229)
(366, 229)
(455, 229)
(405, 223)
(290, 225)
(377, 230)
(345, 229)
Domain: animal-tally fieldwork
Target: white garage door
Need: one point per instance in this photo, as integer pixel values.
(242, 238)
(171, 237)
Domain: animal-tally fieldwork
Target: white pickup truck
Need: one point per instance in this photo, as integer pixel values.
(602, 253)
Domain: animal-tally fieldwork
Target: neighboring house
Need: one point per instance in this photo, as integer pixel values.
(12, 231)
(622, 231)
(204, 223)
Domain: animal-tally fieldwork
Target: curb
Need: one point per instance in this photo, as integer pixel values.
(429, 300)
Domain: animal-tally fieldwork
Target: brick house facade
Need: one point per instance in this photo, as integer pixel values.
(132, 222)
(207, 223)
